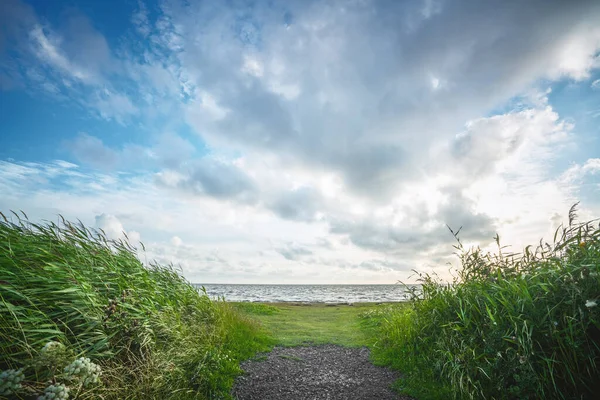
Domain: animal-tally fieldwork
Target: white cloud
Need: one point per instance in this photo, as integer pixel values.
(110, 225)
(113, 228)
(176, 241)
(48, 51)
(111, 105)
(134, 237)
(140, 20)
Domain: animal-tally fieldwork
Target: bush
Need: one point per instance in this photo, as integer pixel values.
(69, 295)
(511, 326)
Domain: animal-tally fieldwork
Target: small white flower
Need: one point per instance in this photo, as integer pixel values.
(58, 391)
(591, 303)
(83, 370)
(10, 381)
(51, 346)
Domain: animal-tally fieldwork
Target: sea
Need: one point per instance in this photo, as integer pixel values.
(307, 293)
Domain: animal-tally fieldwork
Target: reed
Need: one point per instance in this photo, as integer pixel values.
(150, 333)
(510, 326)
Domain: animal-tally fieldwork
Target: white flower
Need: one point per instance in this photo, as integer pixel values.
(591, 303)
(10, 381)
(84, 370)
(51, 347)
(58, 392)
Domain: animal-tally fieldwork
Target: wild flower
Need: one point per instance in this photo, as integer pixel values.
(55, 392)
(591, 303)
(10, 381)
(83, 370)
(51, 347)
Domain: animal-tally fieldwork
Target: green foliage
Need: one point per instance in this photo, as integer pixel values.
(149, 330)
(511, 326)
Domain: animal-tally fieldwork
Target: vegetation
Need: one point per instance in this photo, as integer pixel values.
(511, 326)
(307, 324)
(82, 317)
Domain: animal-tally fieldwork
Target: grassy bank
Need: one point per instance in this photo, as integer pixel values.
(512, 326)
(81, 313)
(305, 324)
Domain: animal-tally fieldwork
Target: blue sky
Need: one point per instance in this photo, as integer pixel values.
(302, 141)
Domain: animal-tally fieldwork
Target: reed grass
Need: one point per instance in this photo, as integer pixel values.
(510, 326)
(152, 333)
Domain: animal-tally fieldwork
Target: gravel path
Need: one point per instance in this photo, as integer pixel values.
(315, 373)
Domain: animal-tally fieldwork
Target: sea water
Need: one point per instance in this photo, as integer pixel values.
(307, 293)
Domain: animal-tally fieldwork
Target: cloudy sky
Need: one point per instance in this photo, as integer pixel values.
(302, 141)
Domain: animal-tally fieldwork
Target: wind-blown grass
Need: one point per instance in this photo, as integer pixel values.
(151, 332)
(511, 326)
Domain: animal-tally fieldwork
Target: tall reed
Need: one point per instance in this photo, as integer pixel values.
(510, 326)
(150, 331)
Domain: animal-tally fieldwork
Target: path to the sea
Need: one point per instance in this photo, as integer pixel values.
(326, 372)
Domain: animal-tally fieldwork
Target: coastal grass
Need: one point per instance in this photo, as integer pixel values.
(301, 324)
(152, 333)
(511, 326)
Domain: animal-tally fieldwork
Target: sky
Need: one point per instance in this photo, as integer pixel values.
(302, 141)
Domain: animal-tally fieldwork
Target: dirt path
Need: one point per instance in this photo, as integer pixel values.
(316, 373)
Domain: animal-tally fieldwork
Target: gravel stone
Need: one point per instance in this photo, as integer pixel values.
(325, 372)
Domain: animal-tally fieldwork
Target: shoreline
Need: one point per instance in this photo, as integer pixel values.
(318, 303)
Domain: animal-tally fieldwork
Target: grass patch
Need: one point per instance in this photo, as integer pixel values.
(256, 308)
(308, 324)
(70, 296)
(512, 326)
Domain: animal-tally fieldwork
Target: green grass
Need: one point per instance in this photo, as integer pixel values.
(306, 324)
(151, 332)
(512, 326)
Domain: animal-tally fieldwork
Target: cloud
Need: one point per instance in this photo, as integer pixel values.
(113, 228)
(110, 225)
(140, 20)
(70, 62)
(294, 251)
(466, 46)
(412, 242)
(362, 128)
(211, 177)
(172, 150)
(487, 143)
(115, 106)
(577, 172)
(583, 180)
(166, 150)
(176, 241)
(300, 204)
(90, 150)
